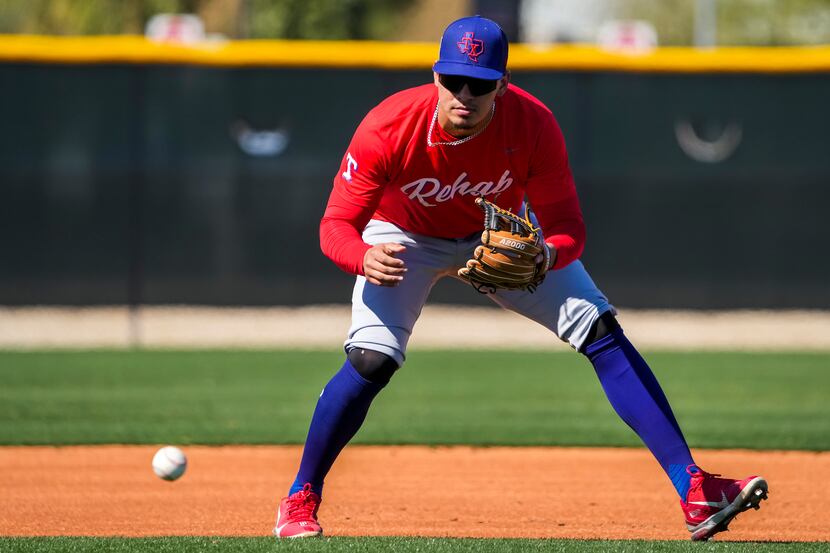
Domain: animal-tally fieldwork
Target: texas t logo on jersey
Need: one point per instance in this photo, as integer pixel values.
(471, 46)
(350, 164)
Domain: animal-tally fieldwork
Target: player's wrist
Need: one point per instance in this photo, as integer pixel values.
(549, 257)
(552, 254)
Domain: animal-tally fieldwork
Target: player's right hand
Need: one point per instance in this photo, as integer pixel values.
(381, 267)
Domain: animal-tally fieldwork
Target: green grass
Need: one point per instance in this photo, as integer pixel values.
(762, 401)
(398, 545)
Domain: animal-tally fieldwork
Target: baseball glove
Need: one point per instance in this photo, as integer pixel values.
(507, 256)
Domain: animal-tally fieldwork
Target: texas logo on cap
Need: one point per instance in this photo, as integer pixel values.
(471, 46)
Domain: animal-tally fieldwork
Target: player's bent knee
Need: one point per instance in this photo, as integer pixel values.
(602, 327)
(374, 366)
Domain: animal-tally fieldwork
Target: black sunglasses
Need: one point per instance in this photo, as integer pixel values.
(478, 87)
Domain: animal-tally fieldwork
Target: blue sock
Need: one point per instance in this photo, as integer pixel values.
(340, 412)
(637, 398)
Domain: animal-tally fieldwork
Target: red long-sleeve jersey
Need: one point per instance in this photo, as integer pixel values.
(390, 173)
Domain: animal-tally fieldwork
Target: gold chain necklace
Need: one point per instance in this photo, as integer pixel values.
(460, 140)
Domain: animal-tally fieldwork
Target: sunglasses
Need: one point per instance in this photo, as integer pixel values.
(478, 87)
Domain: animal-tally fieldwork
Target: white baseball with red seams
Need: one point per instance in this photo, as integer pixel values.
(169, 463)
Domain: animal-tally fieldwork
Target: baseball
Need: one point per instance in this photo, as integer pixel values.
(169, 463)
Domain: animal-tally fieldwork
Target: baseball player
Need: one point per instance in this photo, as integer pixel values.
(406, 211)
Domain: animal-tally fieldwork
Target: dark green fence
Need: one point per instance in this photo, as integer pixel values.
(175, 184)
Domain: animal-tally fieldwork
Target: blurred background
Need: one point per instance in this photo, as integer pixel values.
(676, 23)
(134, 183)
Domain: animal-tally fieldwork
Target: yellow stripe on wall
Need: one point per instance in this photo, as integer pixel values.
(397, 55)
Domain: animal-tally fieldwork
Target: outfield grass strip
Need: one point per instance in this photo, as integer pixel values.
(398, 545)
(722, 400)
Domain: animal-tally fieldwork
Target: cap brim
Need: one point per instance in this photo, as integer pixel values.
(466, 70)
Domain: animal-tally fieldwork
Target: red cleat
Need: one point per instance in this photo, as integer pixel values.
(297, 515)
(713, 502)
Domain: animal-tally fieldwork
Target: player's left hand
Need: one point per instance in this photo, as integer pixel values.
(512, 254)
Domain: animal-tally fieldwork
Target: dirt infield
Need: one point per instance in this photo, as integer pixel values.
(404, 491)
(325, 326)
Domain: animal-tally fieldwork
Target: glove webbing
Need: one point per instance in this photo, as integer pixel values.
(493, 213)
